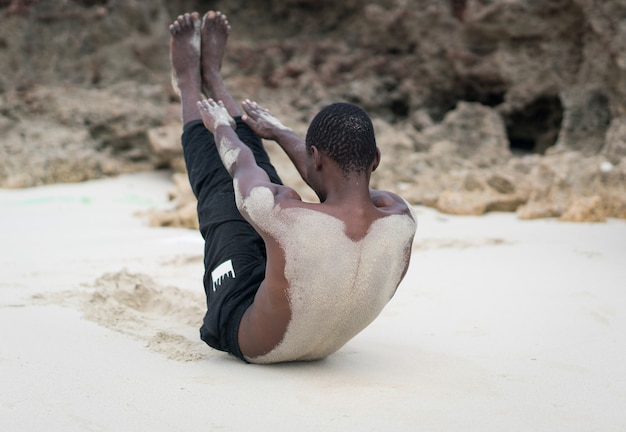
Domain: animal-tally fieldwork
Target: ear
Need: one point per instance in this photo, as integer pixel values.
(376, 160)
(316, 158)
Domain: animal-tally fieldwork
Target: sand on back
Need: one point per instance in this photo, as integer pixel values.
(337, 285)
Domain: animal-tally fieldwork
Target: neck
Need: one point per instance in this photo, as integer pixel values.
(353, 188)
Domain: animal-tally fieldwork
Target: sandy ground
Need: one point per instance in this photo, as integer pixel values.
(499, 325)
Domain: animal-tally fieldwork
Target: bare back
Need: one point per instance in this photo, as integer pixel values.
(330, 270)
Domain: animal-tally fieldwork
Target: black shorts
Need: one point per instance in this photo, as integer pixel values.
(234, 253)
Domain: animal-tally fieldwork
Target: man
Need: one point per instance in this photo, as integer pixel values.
(285, 279)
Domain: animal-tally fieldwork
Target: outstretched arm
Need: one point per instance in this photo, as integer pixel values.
(265, 125)
(237, 157)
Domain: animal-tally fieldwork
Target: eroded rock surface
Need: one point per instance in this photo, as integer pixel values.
(479, 106)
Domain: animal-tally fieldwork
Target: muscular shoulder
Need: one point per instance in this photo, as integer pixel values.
(390, 202)
(268, 192)
(287, 196)
(261, 204)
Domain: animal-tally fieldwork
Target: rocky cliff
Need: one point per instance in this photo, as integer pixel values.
(479, 105)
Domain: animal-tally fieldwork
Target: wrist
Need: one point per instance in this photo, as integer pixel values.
(282, 133)
(225, 122)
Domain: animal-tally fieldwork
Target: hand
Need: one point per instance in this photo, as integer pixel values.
(261, 121)
(214, 114)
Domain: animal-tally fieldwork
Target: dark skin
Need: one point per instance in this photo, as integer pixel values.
(345, 197)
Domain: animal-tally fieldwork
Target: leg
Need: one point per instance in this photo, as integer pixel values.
(213, 188)
(214, 36)
(185, 59)
(215, 31)
(204, 158)
(234, 252)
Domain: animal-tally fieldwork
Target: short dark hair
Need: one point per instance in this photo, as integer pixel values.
(344, 132)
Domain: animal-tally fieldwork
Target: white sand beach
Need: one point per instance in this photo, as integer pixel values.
(500, 325)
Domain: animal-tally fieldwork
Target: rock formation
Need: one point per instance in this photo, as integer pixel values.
(479, 105)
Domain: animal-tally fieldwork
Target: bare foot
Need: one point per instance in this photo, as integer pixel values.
(185, 53)
(260, 120)
(215, 31)
(214, 114)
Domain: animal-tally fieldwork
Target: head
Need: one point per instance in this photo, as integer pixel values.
(344, 133)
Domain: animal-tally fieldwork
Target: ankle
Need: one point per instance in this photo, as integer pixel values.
(212, 78)
(189, 91)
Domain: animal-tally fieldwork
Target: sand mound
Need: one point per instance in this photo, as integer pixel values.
(165, 317)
